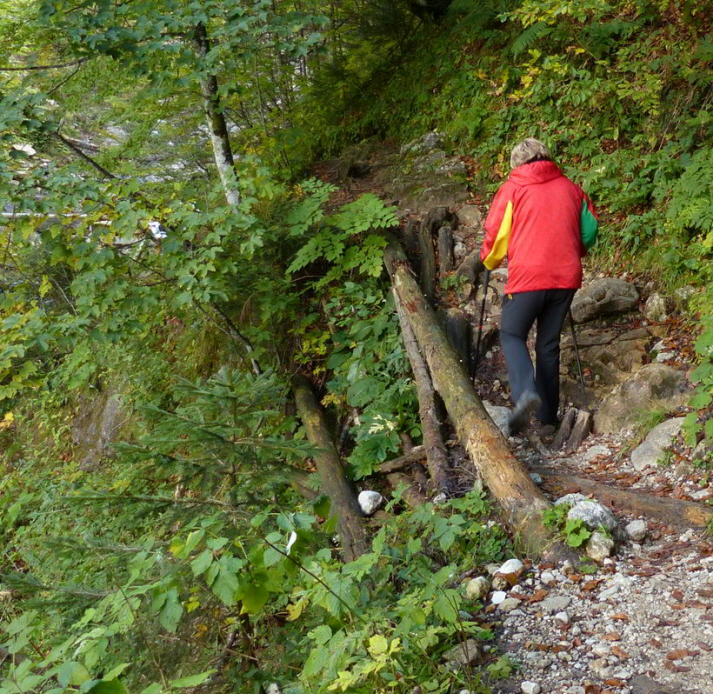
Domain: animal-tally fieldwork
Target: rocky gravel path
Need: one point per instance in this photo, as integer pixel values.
(645, 617)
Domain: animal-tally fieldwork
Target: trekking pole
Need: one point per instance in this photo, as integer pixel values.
(486, 279)
(579, 361)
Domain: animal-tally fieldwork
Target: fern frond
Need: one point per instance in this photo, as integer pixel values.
(529, 36)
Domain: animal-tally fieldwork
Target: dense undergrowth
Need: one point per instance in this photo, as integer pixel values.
(187, 558)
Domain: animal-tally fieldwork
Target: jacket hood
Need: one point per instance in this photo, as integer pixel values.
(535, 172)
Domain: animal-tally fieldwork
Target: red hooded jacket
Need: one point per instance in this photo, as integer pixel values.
(544, 224)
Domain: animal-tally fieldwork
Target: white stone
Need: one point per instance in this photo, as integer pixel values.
(528, 687)
(273, 688)
(592, 514)
(511, 566)
(477, 588)
(601, 650)
(662, 357)
(498, 596)
(548, 578)
(636, 530)
(440, 499)
(599, 546)
(594, 452)
(622, 674)
(369, 501)
(562, 618)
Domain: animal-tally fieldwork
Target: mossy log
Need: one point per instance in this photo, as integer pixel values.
(505, 477)
(438, 466)
(333, 480)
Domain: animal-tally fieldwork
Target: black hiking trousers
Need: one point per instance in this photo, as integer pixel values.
(549, 308)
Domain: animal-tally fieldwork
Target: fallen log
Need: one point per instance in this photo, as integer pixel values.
(414, 456)
(436, 456)
(674, 512)
(333, 480)
(412, 495)
(508, 481)
(427, 276)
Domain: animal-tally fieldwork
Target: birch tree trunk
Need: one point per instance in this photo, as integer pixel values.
(217, 127)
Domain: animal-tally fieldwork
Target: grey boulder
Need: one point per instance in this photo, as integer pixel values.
(604, 296)
(653, 384)
(649, 452)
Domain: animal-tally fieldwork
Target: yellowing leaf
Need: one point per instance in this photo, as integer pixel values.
(378, 645)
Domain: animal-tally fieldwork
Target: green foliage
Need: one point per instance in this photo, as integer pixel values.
(573, 530)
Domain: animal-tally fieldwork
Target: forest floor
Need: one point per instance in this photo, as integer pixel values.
(643, 622)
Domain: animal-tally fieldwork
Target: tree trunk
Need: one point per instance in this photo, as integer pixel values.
(428, 262)
(674, 512)
(446, 261)
(217, 127)
(333, 480)
(436, 455)
(501, 472)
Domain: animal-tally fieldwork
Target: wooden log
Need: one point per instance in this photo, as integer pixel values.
(675, 512)
(412, 495)
(427, 276)
(436, 456)
(508, 481)
(563, 433)
(446, 261)
(334, 482)
(411, 244)
(416, 455)
(580, 430)
(458, 330)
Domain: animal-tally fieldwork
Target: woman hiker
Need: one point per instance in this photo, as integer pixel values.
(544, 224)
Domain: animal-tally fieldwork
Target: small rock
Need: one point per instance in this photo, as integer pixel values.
(511, 566)
(530, 687)
(592, 514)
(477, 588)
(655, 308)
(463, 654)
(500, 582)
(555, 603)
(601, 667)
(548, 578)
(273, 688)
(662, 357)
(492, 568)
(562, 618)
(622, 674)
(599, 546)
(571, 499)
(509, 604)
(440, 499)
(537, 479)
(594, 452)
(369, 501)
(636, 530)
(601, 650)
(660, 346)
(498, 596)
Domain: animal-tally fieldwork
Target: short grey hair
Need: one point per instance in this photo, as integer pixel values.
(527, 151)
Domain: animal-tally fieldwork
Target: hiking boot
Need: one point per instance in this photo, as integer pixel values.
(520, 416)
